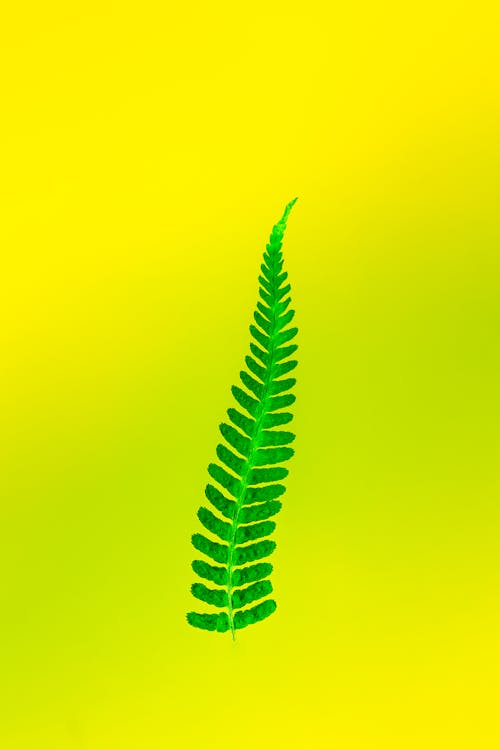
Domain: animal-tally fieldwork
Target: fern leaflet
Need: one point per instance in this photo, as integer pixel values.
(248, 475)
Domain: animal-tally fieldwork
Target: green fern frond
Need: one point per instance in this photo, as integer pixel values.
(248, 473)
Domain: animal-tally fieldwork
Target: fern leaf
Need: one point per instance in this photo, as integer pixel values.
(259, 476)
(259, 494)
(266, 456)
(284, 368)
(274, 420)
(220, 501)
(214, 550)
(250, 467)
(238, 441)
(280, 386)
(259, 353)
(210, 572)
(252, 552)
(284, 351)
(230, 459)
(247, 533)
(244, 423)
(272, 437)
(226, 480)
(242, 597)
(219, 622)
(217, 597)
(260, 511)
(251, 573)
(214, 524)
(254, 614)
(246, 401)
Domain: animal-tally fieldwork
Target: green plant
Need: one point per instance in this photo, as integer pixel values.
(251, 474)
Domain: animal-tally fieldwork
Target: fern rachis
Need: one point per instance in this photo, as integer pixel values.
(251, 475)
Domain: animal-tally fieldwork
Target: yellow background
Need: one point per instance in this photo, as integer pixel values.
(147, 151)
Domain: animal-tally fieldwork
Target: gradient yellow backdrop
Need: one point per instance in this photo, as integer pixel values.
(147, 151)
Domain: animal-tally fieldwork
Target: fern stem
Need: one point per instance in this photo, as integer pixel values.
(260, 447)
(244, 486)
(258, 428)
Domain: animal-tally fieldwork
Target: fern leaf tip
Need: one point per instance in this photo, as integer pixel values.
(287, 211)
